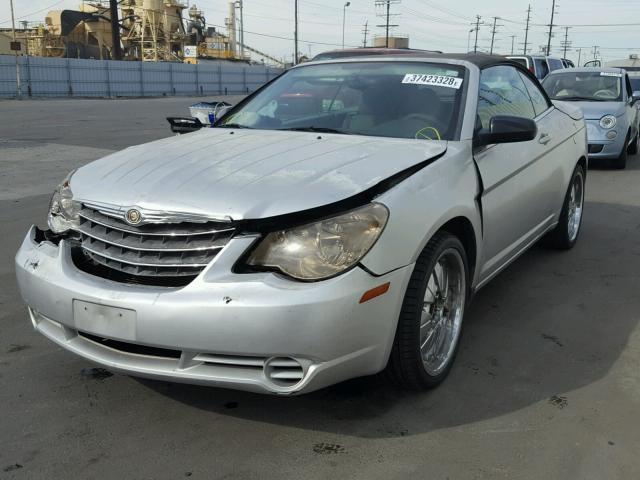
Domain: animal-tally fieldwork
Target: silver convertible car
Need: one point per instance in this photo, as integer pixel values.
(609, 104)
(334, 224)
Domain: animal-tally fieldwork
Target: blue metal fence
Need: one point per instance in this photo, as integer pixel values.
(70, 77)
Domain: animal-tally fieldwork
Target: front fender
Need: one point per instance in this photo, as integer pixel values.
(420, 205)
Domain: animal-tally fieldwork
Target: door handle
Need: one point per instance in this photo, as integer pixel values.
(544, 138)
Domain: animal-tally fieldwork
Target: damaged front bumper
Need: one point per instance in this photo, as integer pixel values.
(258, 332)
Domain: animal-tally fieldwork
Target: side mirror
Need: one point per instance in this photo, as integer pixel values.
(635, 97)
(184, 124)
(507, 129)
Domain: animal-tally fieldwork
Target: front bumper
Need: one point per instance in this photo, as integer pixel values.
(223, 329)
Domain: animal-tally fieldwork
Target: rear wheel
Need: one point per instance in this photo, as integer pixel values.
(565, 235)
(430, 322)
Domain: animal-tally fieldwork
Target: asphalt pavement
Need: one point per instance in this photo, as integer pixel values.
(546, 384)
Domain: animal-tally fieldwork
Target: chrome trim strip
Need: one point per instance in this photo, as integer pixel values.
(154, 216)
(129, 247)
(153, 265)
(124, 228)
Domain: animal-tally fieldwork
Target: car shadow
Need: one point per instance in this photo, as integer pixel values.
(551, 323)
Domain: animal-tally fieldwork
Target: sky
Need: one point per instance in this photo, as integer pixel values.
(430, 24)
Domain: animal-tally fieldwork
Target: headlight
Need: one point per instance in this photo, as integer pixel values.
(323, 249)
(63, 211)
(608, 121)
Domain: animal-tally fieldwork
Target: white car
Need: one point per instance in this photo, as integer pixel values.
(333, 224)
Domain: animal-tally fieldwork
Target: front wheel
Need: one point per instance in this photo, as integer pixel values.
(620, 162)
(633, 148)
(430, 322)
(565, 235)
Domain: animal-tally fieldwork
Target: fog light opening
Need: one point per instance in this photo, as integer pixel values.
(612, 134)
(283, 371)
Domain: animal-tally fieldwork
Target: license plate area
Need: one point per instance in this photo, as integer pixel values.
(112, 322)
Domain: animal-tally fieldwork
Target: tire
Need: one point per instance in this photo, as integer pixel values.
(633, 148)
(620, 163)
(423, 310)
(566, 233)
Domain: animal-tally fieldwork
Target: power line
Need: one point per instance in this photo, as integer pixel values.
(33, 13)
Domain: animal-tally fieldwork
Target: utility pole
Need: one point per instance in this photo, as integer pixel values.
(551, 25)
(595, 52)
(295, 33)
(526, 30)
(116, 50)
(13, 30)
(565, 43)
(493, 33)
(579, 56)
(344, 16)
(513, 39)
(387, 25)
(241, 30)
(365, 32)
(478, 23)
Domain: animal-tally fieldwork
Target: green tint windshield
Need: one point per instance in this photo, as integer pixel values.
(389, 99)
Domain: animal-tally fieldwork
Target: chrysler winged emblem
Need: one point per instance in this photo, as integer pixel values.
(133, 216)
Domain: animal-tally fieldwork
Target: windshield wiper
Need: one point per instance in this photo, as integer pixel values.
(587, 99)
(232, 125)
(315, 129)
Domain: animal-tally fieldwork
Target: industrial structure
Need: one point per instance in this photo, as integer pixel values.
(144, 30)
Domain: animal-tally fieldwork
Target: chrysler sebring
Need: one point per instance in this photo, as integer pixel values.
(333, 224)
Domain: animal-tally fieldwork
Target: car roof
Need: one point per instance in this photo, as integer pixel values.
(481, 60)
(364, 51)
(588, 69)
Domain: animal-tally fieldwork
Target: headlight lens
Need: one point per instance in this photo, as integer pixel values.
(63, 211)
(323, 249)
(608, 121)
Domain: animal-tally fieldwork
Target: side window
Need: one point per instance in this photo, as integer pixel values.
(542, 69)
(540, 103)
(502, 92)
(555, 64)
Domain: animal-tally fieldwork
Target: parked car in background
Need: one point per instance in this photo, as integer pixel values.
(333, 224)
(608, 101)
(539, 65)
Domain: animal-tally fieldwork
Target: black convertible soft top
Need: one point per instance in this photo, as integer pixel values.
(481, 60)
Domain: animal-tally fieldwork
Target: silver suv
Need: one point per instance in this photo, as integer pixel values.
(540, 65)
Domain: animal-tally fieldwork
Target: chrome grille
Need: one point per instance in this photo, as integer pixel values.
(151, 250)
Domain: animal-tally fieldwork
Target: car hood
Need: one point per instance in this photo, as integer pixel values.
(246, 174)
(597, 110)
(569, 108)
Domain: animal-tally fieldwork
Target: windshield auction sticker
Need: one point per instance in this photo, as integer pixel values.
(436, 80)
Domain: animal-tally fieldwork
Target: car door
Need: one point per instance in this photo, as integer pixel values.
(519, 191)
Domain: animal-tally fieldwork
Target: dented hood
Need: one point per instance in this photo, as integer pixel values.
(247, 174)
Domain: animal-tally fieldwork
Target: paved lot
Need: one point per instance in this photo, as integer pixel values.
(546, 385)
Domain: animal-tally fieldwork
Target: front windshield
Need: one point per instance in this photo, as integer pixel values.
(388, 99)
(584, 86)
